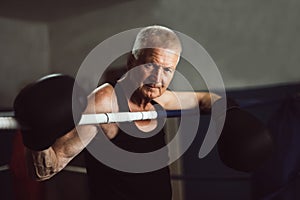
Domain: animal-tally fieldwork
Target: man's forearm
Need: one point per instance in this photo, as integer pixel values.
(41, 165)
(46, 163)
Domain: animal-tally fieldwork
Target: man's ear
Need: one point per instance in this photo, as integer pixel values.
(131, 61)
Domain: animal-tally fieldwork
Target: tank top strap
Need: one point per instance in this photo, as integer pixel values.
(121, 99)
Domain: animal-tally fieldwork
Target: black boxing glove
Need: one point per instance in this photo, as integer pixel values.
(44, 110)
(245, 143)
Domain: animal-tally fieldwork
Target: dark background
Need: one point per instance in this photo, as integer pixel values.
(255, 45)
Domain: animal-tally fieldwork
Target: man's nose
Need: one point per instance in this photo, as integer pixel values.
(157, 74)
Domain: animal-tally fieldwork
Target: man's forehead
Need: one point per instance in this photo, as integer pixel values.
(160, 52)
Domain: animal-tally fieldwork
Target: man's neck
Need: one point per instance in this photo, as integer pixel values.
(139, 102)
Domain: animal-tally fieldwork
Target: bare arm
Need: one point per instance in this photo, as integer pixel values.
(187, 100)
(50, 161)
(45, 164)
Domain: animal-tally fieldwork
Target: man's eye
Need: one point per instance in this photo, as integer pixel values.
(168, 70)
(148, 65)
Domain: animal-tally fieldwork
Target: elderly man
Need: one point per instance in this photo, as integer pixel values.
(151, 66)
(150, 69)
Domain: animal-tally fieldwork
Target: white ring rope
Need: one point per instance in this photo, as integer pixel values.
(4, 168)
(10, 123)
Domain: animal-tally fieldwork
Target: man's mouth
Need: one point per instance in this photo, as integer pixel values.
(152, 86)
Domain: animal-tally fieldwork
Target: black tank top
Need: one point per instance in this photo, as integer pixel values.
(110, 184)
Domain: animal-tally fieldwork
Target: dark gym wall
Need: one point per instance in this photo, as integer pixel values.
(252, 42)
(24, 56)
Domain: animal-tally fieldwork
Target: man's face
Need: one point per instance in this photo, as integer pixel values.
(153, 71)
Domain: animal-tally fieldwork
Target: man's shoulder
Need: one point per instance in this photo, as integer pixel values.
(103, 98)
(103, 90)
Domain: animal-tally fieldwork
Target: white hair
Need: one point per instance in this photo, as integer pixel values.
(156, 37)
